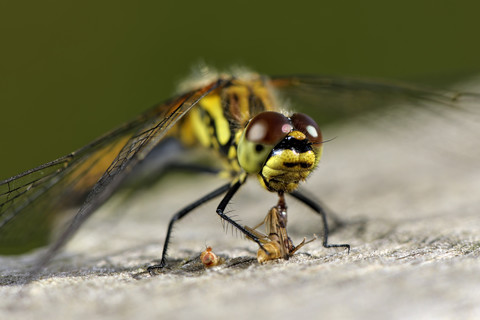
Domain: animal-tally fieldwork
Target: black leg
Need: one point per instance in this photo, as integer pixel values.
(318, 209)
(182, 213)
(221, 208)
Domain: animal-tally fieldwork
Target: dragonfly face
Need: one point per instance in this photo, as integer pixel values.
(282, 151)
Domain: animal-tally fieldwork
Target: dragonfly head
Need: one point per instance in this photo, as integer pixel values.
(281, 150)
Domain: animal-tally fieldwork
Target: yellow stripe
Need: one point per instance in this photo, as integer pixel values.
(213, 105)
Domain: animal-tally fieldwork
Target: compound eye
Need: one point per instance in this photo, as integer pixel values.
(268, 128)
(307, 126)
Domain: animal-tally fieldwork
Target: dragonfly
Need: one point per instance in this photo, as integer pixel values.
(241, 118)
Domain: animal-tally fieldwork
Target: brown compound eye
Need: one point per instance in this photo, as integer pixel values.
(268, 128)
(307, 126)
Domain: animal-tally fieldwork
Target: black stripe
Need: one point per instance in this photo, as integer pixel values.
(291, 143)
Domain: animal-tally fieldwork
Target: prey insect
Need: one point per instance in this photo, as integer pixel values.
(276, 242)
(209, 258)
(239, 118)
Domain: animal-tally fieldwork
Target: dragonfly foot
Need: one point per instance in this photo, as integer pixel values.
(155, 269)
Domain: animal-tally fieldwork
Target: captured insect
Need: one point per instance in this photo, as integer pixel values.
(209, 258)
(242, 118)
(276, 242)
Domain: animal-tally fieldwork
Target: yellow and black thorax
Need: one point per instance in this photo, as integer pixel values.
(242, 122)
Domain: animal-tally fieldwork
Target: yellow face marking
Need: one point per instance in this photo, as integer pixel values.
(289, 160)
(285, 169)
(297, 135)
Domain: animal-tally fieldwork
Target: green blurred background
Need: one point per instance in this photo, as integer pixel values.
(72, 70)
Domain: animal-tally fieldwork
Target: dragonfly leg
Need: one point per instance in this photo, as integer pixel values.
(221, 212)
(318, 209)
(179, 215)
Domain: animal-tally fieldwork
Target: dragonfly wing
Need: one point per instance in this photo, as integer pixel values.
(32, 202)
(334, 98)
(85, 178)
(160, 121)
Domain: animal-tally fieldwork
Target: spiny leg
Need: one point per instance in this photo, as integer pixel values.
(221, 212)
(179, 215)
(333, 217)
(318, 209)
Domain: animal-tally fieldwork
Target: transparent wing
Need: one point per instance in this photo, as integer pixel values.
(334, 98)
(32, 203)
